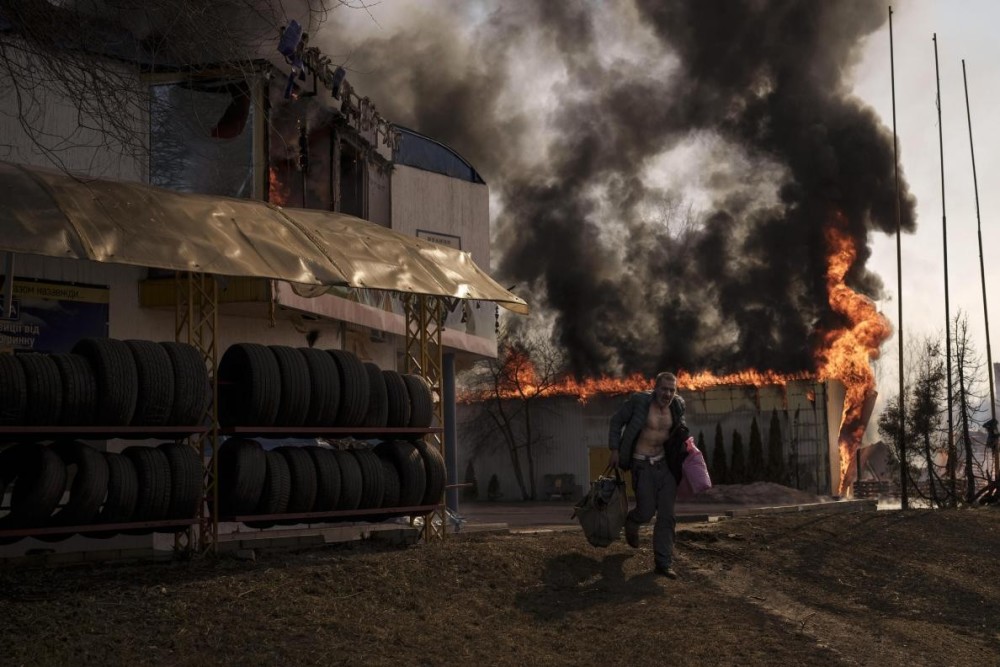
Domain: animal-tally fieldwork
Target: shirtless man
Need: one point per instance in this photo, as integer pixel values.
(644, 439)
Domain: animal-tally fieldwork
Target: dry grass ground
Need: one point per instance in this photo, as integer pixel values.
(812, 588)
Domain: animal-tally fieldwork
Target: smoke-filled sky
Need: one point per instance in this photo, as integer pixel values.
(661, 172)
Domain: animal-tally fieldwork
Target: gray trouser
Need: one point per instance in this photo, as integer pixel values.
(655, 490)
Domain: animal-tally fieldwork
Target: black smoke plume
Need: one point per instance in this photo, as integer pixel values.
(634, 279)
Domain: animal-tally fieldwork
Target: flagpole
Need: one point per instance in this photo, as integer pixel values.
(982, 275)
(947, 307)
(904, 471)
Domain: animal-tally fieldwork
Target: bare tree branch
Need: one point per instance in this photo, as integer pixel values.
(93, 55)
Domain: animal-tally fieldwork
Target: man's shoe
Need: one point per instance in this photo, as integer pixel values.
(666, 571)
(632, 534)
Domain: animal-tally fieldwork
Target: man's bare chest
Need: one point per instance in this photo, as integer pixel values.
(659, 419)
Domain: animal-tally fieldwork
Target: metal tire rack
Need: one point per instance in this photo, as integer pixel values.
(183, 535)
(196, 323)
(425, 317)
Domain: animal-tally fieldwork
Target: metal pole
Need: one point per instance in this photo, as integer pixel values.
(982, 268)
(450, 432)
(947, 307)
(8, 284)
(304, 159)
(904, 470)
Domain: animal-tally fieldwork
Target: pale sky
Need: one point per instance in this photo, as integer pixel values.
(965, 29)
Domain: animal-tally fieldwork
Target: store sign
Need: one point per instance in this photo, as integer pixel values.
(441, 238)
(52, 316)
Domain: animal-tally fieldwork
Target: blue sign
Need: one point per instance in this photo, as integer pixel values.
(52, 316)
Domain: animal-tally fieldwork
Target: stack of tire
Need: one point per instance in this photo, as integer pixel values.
(102, 383)
(354, 477)
(105, 382)
(277, 385)
(70, 484)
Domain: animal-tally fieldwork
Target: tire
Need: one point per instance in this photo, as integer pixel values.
(372, 482)
(192, 385)
(38, 477)
(249, 386)
(353, 388)
(153, 476)
(434, 467)
(410, 466)
(117, 379)
(79, 389)
(43, 386)
(350, 481)
(327, 479)
(13, 392)
(87, 481)
(421, 401)
(324, 387)
(399, 400)
(242, 471)
(123, 492)
(302, 474)
(276, 491)
(293, 408)
(390, 480)
(155, 385)
(186, 481)
(378, 398)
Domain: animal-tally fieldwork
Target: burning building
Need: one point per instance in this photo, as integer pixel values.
(812, 422)
(571, 435)
(822, 415)
(307, 144)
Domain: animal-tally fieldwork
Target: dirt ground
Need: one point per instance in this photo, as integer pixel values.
(807, 588)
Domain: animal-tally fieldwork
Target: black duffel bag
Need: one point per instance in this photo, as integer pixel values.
(602, 511)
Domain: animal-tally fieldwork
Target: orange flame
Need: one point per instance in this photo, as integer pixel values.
(845, 355)
(523, 383)
(277, 192)
(847, 352)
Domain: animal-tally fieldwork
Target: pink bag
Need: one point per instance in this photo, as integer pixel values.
(694, 473)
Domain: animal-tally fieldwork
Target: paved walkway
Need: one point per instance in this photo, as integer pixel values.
(528, 514)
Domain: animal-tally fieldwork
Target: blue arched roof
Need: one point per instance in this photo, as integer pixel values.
(422, 152)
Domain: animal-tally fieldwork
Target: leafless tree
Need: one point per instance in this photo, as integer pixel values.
(930, 447)
(91, 54)
(970, 401)
(924, 398)
(505, 393)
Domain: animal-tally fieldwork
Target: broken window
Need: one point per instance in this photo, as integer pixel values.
(201, 137)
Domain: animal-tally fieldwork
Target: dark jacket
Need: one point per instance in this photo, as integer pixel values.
(630, 419)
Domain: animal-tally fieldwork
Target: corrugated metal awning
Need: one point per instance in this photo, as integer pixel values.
(50, 213)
